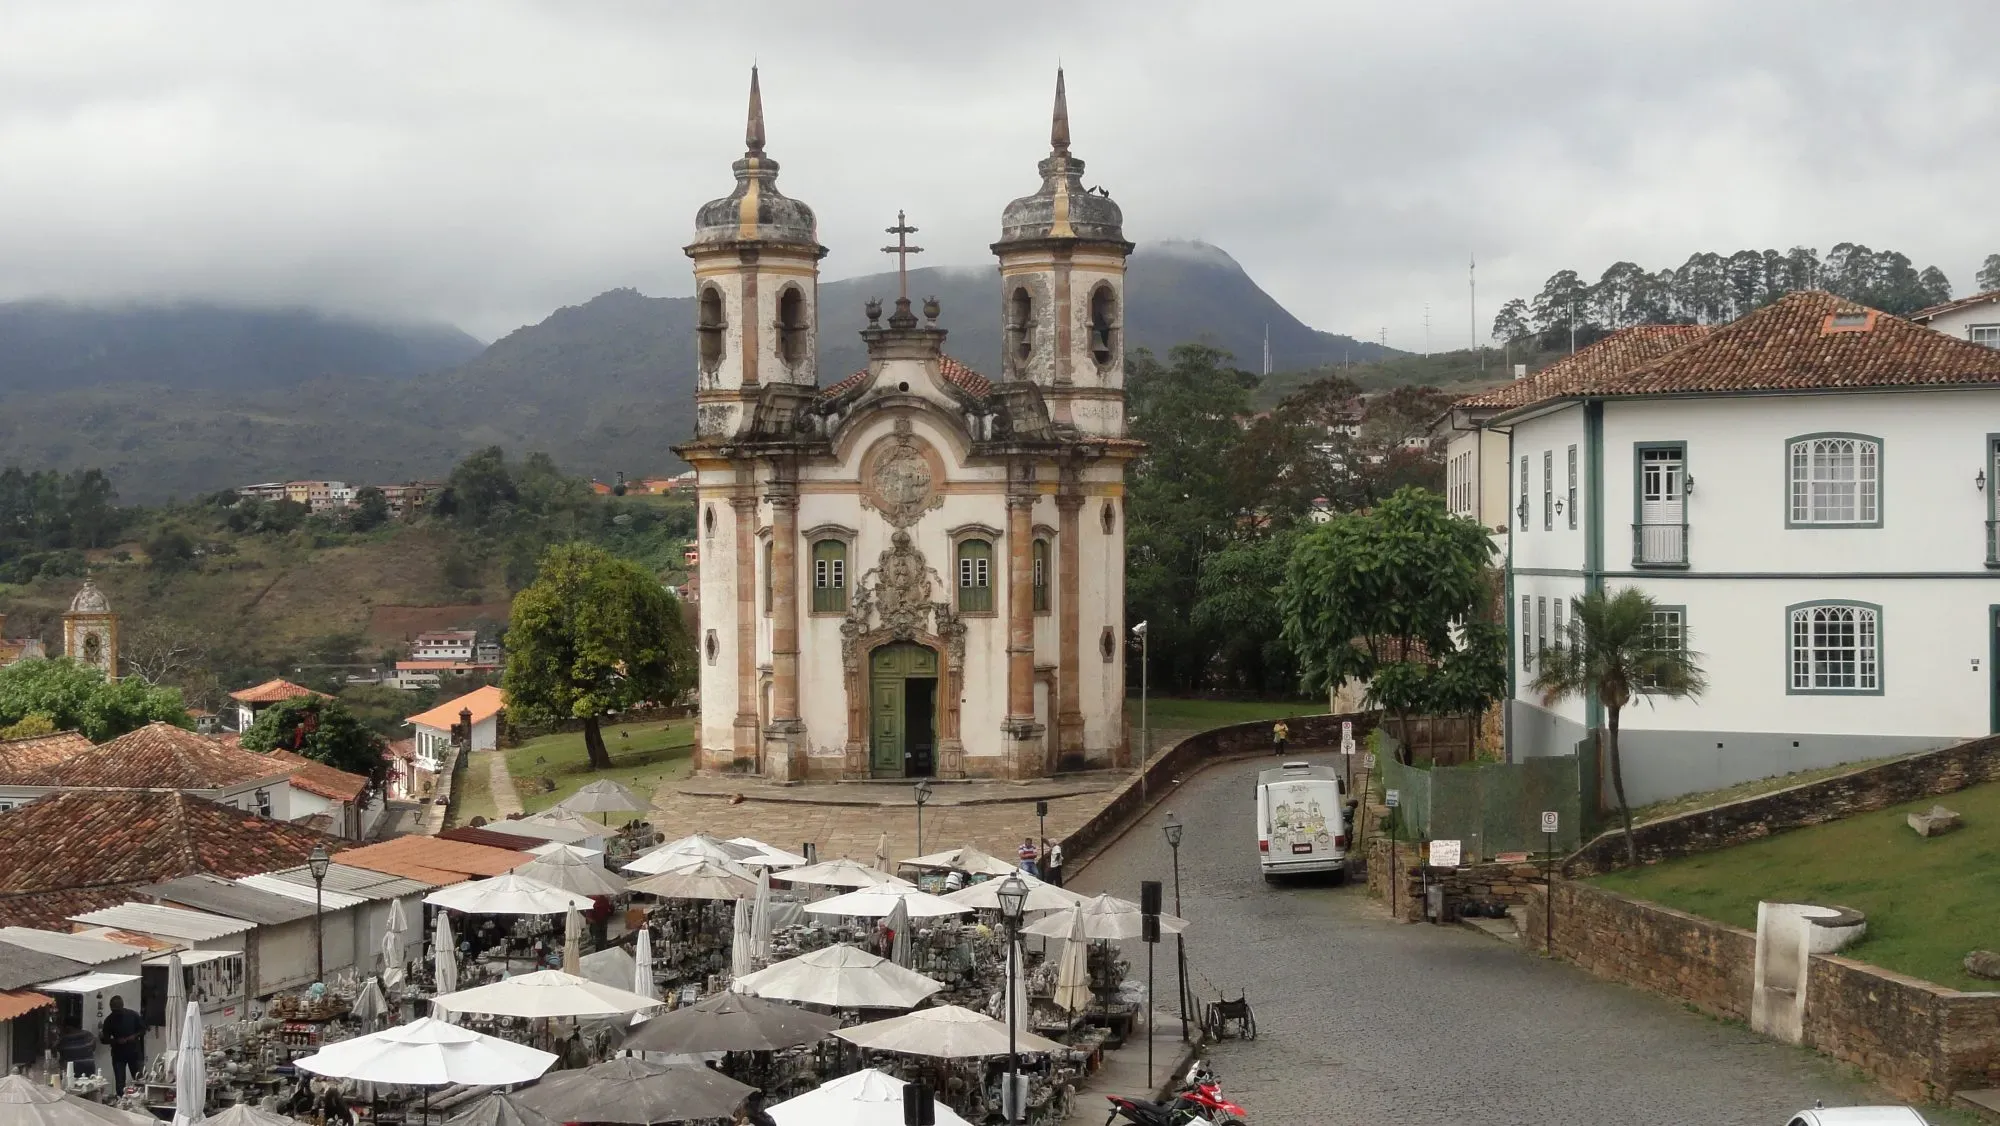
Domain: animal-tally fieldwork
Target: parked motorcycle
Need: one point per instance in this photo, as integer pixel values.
(1198, 1099)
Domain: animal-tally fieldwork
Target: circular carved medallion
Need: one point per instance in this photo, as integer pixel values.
(900, 479)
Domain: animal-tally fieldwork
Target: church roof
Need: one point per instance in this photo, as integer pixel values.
(1062, 208)
(953, 372)
(89, 600)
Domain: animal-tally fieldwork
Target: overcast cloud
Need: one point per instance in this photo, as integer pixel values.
(485, 161)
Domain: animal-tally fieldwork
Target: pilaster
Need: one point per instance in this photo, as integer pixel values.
(784, 738)
(746, 739)
(1069, 624)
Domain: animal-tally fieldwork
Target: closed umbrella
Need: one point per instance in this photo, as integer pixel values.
(760, 916)
(741, 963)
(176, 1000)
(392, 944)
(945, 1032)
(1105, 917)
(444, 955)
(500, 1109)
(573, 869)
(509, 893)
(544, 993)
(638, 1092)
(31, 1104)
(190, 1067)
(1015, 1011)
(840, 977)
(1073, 973)
(642, 965)
(865, 1098)
(875, 902)
(898, 922)
(730, 1022)
(882, 852)
(701, 879)
(369, 1002)
(572, 941)
(842, 873)
(965, 858)
(428, 1053)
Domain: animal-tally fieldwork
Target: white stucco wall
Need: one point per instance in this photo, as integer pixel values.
(1960, 322)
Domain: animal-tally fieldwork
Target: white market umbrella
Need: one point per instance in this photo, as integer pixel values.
(701, 879)
(760, 916)
(865, 1098)
(768, 856)
(945, 1032)
(572, 941)
(547, 847)
(429, 1053)
(1073, 972)
(898, 922)
(700, 846)
(392, 943)
(965, 858)
(741, 961)
(34, 1104)
(604, 796)
(444, 950)
(190, 1065)
(1042, 895)
(842, 873)
(572, 869)
(509, 893)
(1015, 1004)
(544, 993)
(875, 902)
(243, 1114)
(642, 966)
(553, 824)
(176, 1000)
(840, 977)
(1104, 917)
(882, 852)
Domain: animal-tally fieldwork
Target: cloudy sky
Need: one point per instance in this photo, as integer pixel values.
(485, 161)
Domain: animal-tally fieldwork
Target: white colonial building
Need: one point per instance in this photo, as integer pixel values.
(1808, 494)
(915, 569)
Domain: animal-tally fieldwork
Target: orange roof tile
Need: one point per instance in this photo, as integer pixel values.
(1610, 357)
(158, 756)
(429, 858)
(316, 777)
(950, 369)
(484, 703)
(41, 750)
(23, 1002)
(272, 691)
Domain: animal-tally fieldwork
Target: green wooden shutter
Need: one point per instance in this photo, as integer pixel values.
(975, 576)
(1041, 576)
(829, 577)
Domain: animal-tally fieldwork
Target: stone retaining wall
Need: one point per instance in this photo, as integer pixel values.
(1508, 883)
(1919, 1040)
(1929, 773)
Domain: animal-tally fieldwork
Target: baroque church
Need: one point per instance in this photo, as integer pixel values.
(915, 570)
(90, 634)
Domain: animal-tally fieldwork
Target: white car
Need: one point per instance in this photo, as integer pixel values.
(1858, 1116)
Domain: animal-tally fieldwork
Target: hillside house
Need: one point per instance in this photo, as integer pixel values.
(1975, 318)
(252, 701)
(18, 649)
(477, 712)
(444, 645)
(158, 756)
(1808, 493)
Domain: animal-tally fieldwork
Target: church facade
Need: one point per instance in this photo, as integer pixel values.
(916, 569)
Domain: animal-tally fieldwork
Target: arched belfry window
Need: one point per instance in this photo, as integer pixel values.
(1103, 326)
(709, 326)
(1021, 323)
(793, 327)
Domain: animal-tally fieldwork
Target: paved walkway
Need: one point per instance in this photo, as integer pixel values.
(506, 799)
(901, 792)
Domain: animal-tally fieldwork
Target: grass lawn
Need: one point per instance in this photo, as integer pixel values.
(1201, 715)
(644, 755)
(473, 795)
(1929, 902)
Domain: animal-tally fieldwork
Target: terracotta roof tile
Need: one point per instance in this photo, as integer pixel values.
(953, 371)
(96, 845)
(1922, 315)
(157, 756)
(272, 691)
(41, 751)
(431, 858)
(318, 778)
(474, 835)
(1610, 357)
(483, 703)
(1800, 342)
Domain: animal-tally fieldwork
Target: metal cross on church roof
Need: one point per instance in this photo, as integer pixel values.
(902, 250)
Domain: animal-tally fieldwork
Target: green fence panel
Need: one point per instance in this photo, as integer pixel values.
(1413, 792)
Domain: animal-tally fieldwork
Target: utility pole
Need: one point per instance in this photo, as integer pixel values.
(1472, 309)
(1427, 328)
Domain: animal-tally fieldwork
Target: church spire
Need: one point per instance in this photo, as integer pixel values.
(753, 133)
(1059, 126)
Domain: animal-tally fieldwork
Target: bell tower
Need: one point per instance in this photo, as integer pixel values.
(90, 631)
(756, 271)
(1062, 257)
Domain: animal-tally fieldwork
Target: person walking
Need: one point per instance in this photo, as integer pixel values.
(1280, 734)
(125, 1030)
(1028, 856)
(1052, 864)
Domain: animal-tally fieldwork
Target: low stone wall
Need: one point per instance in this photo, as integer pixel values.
(1919, 1040)
(1508, 883)
(513, 735)
(1930, 773)
(1184, 758)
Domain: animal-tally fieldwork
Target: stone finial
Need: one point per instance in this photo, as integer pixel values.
(753, 132)
(873, 309)
(932, 309)
(1059, 124)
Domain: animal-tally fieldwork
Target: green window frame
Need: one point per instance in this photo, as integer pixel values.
(1548, 490)
(829, 577)
(1522, 508)
(1527, 636)
(975, 577)
(1667, 630)
(1572, 488)
(1556, 634)
(1833, 647)
(1833, 480)
(1041, 576)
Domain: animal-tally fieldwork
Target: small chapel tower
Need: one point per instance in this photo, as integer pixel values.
(756, 268)
(1062, 257)
(90, 630)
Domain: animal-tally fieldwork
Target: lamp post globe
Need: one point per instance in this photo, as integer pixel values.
(923, 794)
(1013, 897)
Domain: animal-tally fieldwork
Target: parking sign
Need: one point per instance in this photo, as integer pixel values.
(1346, 736)
(1392, 798)
(1549, 821)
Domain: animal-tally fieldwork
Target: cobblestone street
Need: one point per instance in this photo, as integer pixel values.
(1364, 1021)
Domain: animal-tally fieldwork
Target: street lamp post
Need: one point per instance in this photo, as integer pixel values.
(923, 789)
(317, 862)
(1042, 832)
(1145, 727)
(1013, 897)
(1173, 829)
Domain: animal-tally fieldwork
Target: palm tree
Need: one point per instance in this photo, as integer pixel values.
(1611, 648)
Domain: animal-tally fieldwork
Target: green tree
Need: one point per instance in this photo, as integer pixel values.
(1511, 323)
(481, 487)
(322, 730)
(371, 509)
(591, 635)
(1989, 273)
(1610, 651)
(75, 696)
(169, 548)
(1380, 596)
(32, 725)
(1238, 607)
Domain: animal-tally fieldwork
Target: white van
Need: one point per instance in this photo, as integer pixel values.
(1301, 820)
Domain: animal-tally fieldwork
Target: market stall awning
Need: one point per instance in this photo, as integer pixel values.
(32, 1104)
(945, 1032)
(842, 873)
(841, 977)
(604, 796)
(1042, 896)
(875, 902)
(1104, 917)
(865, 1098)
(965, 858)
(768, 856)
(700, 879)
(21, 1002)
(498, 1109)
(545, 993)
(573, 870)
(508, 894)
(699, 846)
(636, 1092)
(730, 1022)
(88, 983)
(429, 1053)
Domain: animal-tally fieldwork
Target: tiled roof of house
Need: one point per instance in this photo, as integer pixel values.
(1608, 358)
(491, 838)
(157, 756)
(401, 749)
(1809, 341)
(483, 703)
(41, 751)
(272, 691)
(433, 859)
(1922, 315)
(318, 778)
(79, 850)
(954, 372)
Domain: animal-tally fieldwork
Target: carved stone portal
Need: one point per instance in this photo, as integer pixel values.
(892, 602)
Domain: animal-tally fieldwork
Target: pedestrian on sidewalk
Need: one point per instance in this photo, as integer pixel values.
(1280, 734)
(1052, 864)
(1028, 856)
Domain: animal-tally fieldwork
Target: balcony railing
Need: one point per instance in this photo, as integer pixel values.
(1660, 545)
